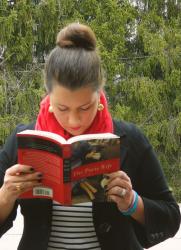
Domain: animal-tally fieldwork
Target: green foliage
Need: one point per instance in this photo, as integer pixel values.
(140, 47)
(20, 95)
(46, 27)
(150, 93)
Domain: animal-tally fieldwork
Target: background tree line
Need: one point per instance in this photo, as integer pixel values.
(140, 46)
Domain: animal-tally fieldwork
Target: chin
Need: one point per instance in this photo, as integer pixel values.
(78, 132)
(74, 133)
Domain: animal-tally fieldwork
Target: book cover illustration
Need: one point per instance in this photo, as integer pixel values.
(91, 160)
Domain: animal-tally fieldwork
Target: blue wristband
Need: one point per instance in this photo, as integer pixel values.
(133, 208)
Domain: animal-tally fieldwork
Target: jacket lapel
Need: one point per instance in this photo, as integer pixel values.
(119, 130)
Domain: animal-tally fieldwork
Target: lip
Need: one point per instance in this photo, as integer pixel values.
(75, 128)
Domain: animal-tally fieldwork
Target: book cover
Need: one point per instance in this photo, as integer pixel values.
(73, 170)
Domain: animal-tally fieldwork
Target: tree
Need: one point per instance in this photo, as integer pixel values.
(150, 94)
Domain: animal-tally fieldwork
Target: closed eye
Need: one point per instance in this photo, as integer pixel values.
(86, 108)
(62, 109)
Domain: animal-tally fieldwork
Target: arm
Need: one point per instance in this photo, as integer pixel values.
(11, 176)
(17, 180)
(161, 212)
(7, 208)
(139, 214)
(157, 216)
(118, 182)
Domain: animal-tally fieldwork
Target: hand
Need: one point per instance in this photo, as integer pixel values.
(119, 189)
(19, 179)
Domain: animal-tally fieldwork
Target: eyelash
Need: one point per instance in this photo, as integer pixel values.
(82, 109)
(62, 110)
(85, 109)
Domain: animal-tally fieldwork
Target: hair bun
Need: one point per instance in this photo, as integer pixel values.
(76, 35)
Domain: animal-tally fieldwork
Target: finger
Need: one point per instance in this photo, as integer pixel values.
(119, 183)
(113, 198)
(123, 203)
(117, 191)
(27, 177)
(25, 186)
(120, 174)
(9, 180)
(18, 169)
(119, 202)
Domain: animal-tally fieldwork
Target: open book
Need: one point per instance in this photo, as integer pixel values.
(73, 170)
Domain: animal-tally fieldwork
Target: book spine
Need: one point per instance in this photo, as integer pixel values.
(66, 163)
(67, 174)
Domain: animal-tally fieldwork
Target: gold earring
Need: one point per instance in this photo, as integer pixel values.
(50, 109)
(100, 107)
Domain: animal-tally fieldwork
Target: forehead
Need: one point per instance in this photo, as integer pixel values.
(64, 96)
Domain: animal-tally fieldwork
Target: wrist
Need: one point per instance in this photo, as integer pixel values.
(5, 197)
(132, 208)
(7, 203)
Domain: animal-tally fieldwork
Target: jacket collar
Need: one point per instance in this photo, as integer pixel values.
(120, 131)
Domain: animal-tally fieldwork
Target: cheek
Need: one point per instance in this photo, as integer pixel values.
(61, 118)
(88, 118)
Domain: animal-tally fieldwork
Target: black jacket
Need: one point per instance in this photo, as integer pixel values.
(114, 231)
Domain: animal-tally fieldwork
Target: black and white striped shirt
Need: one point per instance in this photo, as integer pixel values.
(72, 228)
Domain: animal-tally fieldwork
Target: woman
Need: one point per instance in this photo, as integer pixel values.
(142, 211)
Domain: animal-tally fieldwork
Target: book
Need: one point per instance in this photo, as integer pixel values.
(74, 171)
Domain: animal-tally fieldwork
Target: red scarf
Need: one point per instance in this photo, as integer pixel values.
(46, 121)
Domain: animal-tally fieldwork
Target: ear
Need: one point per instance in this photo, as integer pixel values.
(99, 91)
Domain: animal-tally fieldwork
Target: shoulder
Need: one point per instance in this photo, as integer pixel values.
(131, 135)
(10, 146)
(21, 127)
(129, 129)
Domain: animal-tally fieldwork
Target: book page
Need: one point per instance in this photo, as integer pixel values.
(45, 134)
(87, 137)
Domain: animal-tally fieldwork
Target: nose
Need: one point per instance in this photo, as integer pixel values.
(74, 119)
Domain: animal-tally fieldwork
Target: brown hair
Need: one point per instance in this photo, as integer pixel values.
(75, 61)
